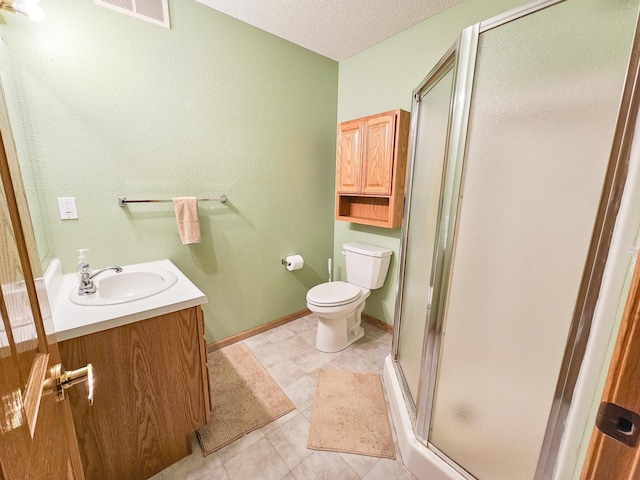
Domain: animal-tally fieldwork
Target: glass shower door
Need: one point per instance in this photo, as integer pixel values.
(542, 116)
(509, 159)
(431, 119)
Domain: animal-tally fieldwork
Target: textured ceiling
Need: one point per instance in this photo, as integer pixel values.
(334, 28)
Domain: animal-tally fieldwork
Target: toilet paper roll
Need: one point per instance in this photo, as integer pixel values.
(294, 262)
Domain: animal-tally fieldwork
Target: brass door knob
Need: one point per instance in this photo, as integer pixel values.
(60, 380)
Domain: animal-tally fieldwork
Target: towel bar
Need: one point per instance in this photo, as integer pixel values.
(122, 200)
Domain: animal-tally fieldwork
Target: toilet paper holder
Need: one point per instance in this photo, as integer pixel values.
(293, 262)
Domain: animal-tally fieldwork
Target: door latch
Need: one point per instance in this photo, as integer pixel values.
(60, 380)
(619, 423)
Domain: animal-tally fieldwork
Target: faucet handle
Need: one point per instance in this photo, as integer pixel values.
(85, 272)
(87, 287)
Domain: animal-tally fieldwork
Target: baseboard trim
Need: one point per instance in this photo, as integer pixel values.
(212, 347)
(377, 323)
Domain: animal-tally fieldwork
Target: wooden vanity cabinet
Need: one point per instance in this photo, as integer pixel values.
(371, 169)
(151, 391)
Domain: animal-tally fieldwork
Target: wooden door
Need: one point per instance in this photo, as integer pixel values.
(616, 455)
(379, 134)
(37, 439)
(609, 458)
(349, 157)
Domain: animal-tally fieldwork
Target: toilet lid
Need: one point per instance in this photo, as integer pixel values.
(333, 293)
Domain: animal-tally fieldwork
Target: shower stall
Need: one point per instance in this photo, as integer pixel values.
(511, 202)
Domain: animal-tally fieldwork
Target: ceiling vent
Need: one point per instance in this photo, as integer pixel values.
(154, 11)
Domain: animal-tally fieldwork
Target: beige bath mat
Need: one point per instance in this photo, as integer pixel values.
(244, 397)
(350, 415)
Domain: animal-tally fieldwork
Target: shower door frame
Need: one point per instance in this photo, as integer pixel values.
(463, 56)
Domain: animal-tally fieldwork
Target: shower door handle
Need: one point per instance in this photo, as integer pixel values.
(619, 423)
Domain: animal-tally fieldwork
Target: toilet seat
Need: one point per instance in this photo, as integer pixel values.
(333, 294)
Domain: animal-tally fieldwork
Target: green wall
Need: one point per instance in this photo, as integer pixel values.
(111, 105)
(383, 78)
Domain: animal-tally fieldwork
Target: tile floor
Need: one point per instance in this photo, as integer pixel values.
(278, 451)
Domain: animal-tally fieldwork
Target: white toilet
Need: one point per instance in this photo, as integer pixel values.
(339, 305)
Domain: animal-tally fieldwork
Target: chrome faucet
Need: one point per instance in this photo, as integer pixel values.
(87, 287)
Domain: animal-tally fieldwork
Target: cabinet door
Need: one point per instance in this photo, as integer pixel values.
(349, 161)
(379, 133)
(149, 397)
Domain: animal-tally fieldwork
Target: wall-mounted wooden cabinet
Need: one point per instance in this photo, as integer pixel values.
(371, 169)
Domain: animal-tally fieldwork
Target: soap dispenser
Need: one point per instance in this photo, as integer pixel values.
(82, 260)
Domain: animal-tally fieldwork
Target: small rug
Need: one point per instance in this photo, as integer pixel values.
(244, 397)
(350, 415)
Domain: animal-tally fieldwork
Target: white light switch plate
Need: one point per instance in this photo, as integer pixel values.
(67, 207)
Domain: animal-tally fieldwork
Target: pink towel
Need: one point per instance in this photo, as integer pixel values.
(188, 220)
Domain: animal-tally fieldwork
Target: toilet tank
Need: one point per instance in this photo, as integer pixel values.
(367, 265)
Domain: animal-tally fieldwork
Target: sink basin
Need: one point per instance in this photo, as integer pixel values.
(127, 286)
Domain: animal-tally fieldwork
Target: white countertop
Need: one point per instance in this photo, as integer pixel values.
(71, 320)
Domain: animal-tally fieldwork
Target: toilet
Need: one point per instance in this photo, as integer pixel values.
(339, 305)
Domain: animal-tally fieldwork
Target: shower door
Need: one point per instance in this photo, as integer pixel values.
(497, 282)
(430, 119)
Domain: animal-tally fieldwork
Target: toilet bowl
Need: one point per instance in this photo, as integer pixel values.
(339, 305)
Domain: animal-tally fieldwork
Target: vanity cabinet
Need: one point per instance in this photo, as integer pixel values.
(151, 391)
(371, 169)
